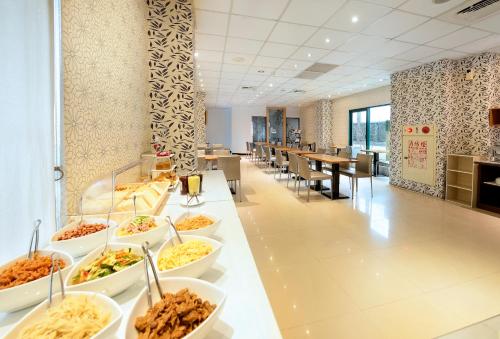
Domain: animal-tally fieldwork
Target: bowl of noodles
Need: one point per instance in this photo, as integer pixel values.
(77, 315)
(79, 239)
(141, 228)
(203, 299)
(108, 272)
(192, 258)
(196, 223)
(24, 282)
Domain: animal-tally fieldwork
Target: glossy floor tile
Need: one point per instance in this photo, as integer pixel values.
(398, 265)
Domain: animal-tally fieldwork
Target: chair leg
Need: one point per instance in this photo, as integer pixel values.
(357, 185)
(288, 179)
(298, 190)
(239, 184)
(308, 189)
(371, 186)
(352, 188)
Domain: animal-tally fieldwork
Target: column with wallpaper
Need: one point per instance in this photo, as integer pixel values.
(324, 123)
(171, 69)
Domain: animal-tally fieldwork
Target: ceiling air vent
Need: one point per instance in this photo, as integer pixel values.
(315, 71)
(248, 88)
(471, 11)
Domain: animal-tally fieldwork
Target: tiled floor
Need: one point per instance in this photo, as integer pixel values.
(401, 265)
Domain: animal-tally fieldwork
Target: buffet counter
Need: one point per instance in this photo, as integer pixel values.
(247, 312)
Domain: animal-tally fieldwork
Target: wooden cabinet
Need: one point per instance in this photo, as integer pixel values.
(460, 179)
(488, 192)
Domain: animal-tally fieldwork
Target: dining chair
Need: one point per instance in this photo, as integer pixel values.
(292, 169)
(202, 163)
(362, 169)
(217, 146)
(259, 154)
(310, 175)
(230, 165)
(269, 157)
(321, 151)
(253, 151)
(281, 163)
(222, 152)
(200, 152)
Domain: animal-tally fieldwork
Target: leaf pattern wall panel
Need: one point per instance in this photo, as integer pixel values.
(324, 123)
(106, 120)
(199, 114)
(171, 77)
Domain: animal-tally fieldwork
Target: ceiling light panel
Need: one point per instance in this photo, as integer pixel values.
(429, 8)
(249, 28)
(313, 13)
(458, 38)
(245, 46)
(276, 50)
(394, 24)
(211, 22)
(365, 12)
(260, 8)
(292, 34)
(428, 31)
(328, 39)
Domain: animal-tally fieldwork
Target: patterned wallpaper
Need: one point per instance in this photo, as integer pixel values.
(324, 123)
(199, 116)
(170, 34)
(437, 93)
(106, 121)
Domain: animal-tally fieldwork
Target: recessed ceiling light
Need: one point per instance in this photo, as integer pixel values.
(196, 54)
(199, 73)
(270, 85)
(238, 59)
(380, 80)
(295, 66)
(201, 80)
(354, 19)
(327, 40)
(329, 96)
(309, 55)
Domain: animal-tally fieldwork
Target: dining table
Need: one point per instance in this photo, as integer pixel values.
(376, 157)
(335, 161)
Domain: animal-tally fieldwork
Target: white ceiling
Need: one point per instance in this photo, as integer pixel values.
(266, 43)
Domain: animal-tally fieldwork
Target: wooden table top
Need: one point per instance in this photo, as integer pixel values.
(300, 151)
(210, 157)
(330, 159)
(284, 148)
(373, 150)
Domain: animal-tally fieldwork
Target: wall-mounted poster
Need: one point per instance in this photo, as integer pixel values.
(419, 153)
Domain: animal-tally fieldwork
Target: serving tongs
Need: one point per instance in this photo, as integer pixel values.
(107, 232)
(175, 228)
(54, 263)
(148, 258)
(35, 238)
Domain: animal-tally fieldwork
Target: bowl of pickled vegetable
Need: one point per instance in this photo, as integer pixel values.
(141, 228)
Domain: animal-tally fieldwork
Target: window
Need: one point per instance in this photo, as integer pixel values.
(369, 128)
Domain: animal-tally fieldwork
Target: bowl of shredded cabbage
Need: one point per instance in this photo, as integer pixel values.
(77, 315)
(109, 272)
(192, 258)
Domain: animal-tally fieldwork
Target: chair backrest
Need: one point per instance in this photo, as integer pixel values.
(264, 152)
(202, 146)
(364, 163)
(279, 157)
(321, 151)
(304, 170)
(201, 152)
(231, 166)
(343, 154)
(221, 152)
(258, 151)
(268, 153)
(202, 164)
(217, 146)
(292, 166)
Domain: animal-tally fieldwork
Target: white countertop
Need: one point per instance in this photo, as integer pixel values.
(247, 312)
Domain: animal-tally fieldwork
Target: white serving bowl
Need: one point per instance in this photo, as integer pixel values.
(31, 293)
(193, 269)
(112, 284)
(205, 231)
(82, 245)
(204, 290)
(152, 236)
(106, 303)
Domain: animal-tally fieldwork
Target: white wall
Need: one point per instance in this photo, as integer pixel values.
(341, 107)
(26, 154)
(239, 130)
(219, 126)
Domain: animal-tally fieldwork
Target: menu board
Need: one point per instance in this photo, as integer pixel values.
(419, 153)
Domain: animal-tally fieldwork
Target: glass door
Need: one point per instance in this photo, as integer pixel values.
(379, 128)
(259, 128)
(276, 118)
(357, 130)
